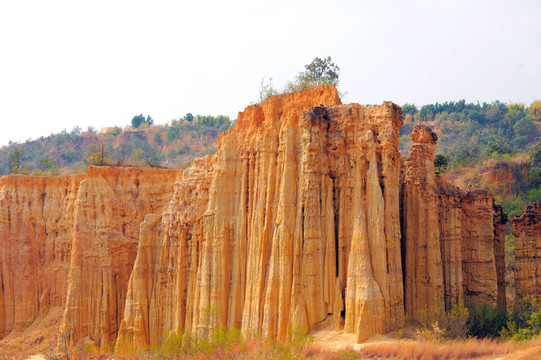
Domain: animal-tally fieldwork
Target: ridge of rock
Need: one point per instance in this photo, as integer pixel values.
(306, 218)
(527, 231)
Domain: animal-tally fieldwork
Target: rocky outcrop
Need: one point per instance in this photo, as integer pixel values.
(478, 257)
(500, 230)
(300, 228)
(450, 215)
(306, 218)
(527, 231)
(111, 204)
(161, 291)
(422, 256)
(36, 225)
(453, 241)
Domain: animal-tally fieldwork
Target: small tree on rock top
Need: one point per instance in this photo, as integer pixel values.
(318, 72)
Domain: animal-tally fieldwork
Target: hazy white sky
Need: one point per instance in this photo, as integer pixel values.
(68, 63)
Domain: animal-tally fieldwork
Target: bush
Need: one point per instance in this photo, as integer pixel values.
(485, 321)
(455, 321)
(523, 334)
(521, 310)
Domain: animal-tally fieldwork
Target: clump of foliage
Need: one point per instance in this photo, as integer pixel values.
(182, 140)
(98, 155)
(15, 161)
(524, 320)
(318, 72)
(473, 130)
(485, 321)
(138, 120)
(321, 71)
(438, 326)
(440, 163)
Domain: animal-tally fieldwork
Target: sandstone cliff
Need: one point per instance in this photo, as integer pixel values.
(300, 227)
(527, 229)
(500, 229)
(36, 224)
(111, 204)
(453, 243)
(307, 217)
(478, 257)
(422, 256)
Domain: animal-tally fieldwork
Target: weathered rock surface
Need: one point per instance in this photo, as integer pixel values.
(478, 257)
(300, 228)
(36, 225)
(500, 229)
(307, 217)
(161, 289)
(110, 207)
(450, 226)
(453, 241)
(527, 230)
(422, 255)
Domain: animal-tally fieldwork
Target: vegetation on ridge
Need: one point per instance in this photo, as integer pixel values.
(142, 144)
(318, 72)
(479, 139)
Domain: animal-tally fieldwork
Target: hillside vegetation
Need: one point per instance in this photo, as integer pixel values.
(172, 145)
(493, 145)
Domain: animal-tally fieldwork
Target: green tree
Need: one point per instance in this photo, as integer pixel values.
(173, 133)
(137, 120)
(15, 161)
(499, 146)
(535, 110)
(409, 109)
(47, 165)
(189, 117)
(440, 163)
(98, 155)
(535, 163)
(318, 72)
(526, 128)
(76, 130)
(157, 138)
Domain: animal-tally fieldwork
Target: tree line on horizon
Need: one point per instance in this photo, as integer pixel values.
(141, 144)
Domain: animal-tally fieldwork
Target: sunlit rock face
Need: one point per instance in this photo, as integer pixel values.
(453, 241)
(110, 207)
(527, 230)
(36, 231)
(293, 224)
(306, 218)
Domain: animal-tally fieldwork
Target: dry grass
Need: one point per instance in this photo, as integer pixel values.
(403, 349)
(230, 346)
(457, 349)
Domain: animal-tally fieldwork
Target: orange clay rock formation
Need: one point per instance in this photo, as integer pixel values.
(306, 218)
(36, 225)
(500, 229)
(423, 270)
(478, 257)
(111, 205)
(453, 241)
(527, 229)
(293, 224)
